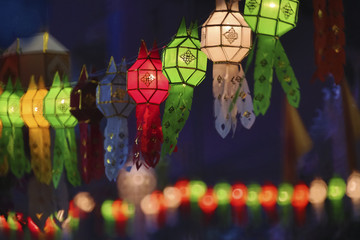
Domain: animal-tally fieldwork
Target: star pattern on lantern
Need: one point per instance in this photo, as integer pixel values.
(147, 79)
(231, 35)
(63, 107)
(252, 4)
(187, 57)
(287, 10)
(120, 94)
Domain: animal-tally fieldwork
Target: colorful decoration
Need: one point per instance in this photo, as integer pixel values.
(329, 39)
(185, 66)
(39, 133)
(226, 40)
(57, 112)
(148, 87)
(83, 107)
(270, 20)
(4, 164)
(12, 144)
(116, 105)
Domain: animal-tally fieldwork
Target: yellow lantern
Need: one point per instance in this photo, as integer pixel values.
(39, 134)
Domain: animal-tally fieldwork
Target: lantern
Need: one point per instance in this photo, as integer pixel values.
(12, 136)
(185, 66)
(83, 108)
(4, 165)
(270, 19)
(226, 40)
(116, 105)
(39, 134)
(148, 87)
(57, 112)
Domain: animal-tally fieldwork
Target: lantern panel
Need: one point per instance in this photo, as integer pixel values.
(27, 105)
(216, 19)
(213, 36)
(137, 96)
(196, 78)
(159, 96)
(14, 105)
(170, 57)
(38, 105)
(147, 79)
(50, 103)
(4, 97)
(187, 57)
(147, 93)
(173, 73)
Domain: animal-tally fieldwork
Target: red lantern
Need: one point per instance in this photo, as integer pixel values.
(148, 87)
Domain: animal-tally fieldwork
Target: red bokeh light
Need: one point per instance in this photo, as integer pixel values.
(268, 195)
(300, 197)
(238, 195)
(208, 202)
(183, 186)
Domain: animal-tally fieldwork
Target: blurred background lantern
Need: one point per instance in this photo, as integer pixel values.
(270, 19)
(184, 65)
(226, 40)
(148, 87)
(4, 164)
(83, 108)
(12, 135)
(116, 105)
(39, 133)
(57, 112)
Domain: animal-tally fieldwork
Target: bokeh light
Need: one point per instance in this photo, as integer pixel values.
(300, 198)
(268, 195)
(208, 202)
(253, 195)
(150, 205)
(197, 190)
(285, 193)
(318, 191)
(183, 186)
(353, 186)
(223, 193)
(172, 197)
(238, 195)
(106, 210)
(84, 201)
(337, 188)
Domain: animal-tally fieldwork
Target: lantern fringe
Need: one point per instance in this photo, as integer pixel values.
(271, 54)
(228, 79)
(116, 146)
(177, 110)
(17, 159)
(149, 136)
(4, 140)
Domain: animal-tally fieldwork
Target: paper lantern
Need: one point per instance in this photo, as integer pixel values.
(184, 64)
(116, 105)
(226, 40)
(57, 112)
(39, 133)
(12, 144)
(83, 108)
(270, 19)
(148, 87)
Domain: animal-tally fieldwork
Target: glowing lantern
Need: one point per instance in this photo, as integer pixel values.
(268, 195)
(253, 195)
(208, 202)
(300, 197)
(39, 134)
(197, 190)
(83, 108)
(184, 64)
(353, 186)
(226, 40)
(270, 19)
(337, 188)
(223, 193)
(12, 135)
(57, 112)
(116, 105)
(285, 194)
(148, 87)
(238, 195)
(317, 192)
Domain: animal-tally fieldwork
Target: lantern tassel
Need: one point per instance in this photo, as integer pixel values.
(116, 146)
(227, 80)
(4, 156)
(18, 161)
(71, 167)
(149, 135)
(84, 148)
(177, 110)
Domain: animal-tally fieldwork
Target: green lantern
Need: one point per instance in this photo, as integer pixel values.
(57, 112)
(184, 64)
(12, 144)
(270, 19)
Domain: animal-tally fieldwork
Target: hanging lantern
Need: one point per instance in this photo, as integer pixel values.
(185, 66)
(12, 144)
(39, 134)
(226, 40)
(148, 87)
(83, 108)
(116, 105)
(4, 165)
(270, 19)
(57, 112)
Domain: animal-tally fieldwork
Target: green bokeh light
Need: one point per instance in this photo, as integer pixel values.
(253, 195)
(106, 210)
(223, 193)
(197, 190)
(336, 188)
(285, 192)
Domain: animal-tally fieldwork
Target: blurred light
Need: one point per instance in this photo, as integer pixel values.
(285, 194)
(135, 184)
(184, 189)
(318, 191)
(208, 202)
(253, 195)
(150, 205)
(197, 190)
(4, 226)
(73, 210)
(60, 215)
(32, 226)
(160, 199)
(223, 193)
(172, 197)
(117, 211)
(50, 226)
(300, 197)
(353, 186)
(12, 221)
(268, 195)
(238, 195)
(106, 210)
(128, 209)
(84, 201)
(337, 188)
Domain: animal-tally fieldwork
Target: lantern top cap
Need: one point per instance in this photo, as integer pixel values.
(232, 5)
(154, 53)
(182, 29)
(32, 84)
(41, 83)
(123, 65)
(83, 74)
(111, 67)
(56, 81)
(17, 84)
(9, 86)
(143, 52)
(194, 30)
(66, 82)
